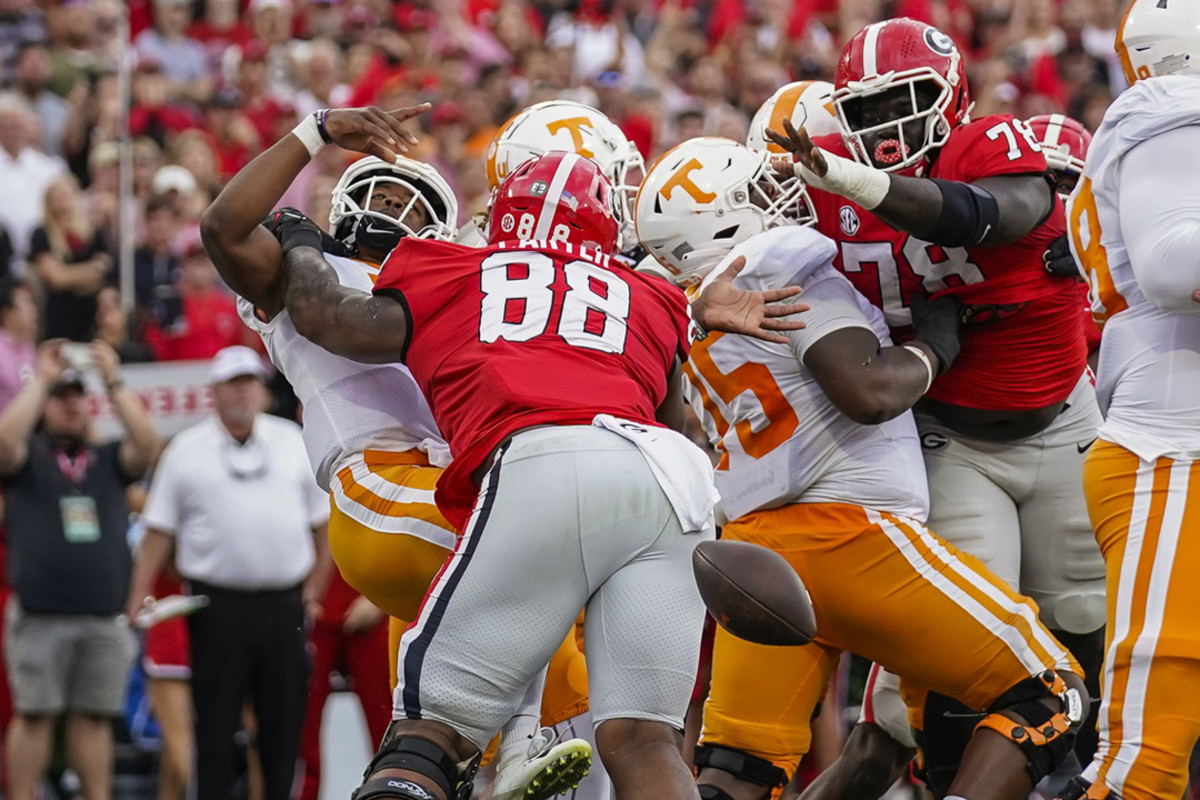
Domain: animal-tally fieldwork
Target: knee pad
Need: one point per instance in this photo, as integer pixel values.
(422, 757)
(740, 765)
(1047, 735)
(949, 726)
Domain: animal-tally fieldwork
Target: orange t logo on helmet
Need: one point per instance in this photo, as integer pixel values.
(574, 127)
(682, 179)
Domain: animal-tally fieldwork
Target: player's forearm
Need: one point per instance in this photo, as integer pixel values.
(245, 254)
(254, 192)
(344, 321)
(888, 385)
(989, 212)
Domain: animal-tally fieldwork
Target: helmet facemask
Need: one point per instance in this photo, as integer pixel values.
(893, 123)
(423, 215)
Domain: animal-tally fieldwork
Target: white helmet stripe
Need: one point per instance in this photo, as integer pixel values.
(1054, 128)
(553, 195)
(870, 46)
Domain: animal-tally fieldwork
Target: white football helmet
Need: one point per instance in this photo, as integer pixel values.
(707, 195)
(1159, 37)
(575, 128)
(354, 223)
(809, 104)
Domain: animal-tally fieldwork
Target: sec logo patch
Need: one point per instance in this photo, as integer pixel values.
(507, 222)
(849, 220)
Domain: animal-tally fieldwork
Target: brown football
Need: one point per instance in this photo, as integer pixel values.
(753, 593)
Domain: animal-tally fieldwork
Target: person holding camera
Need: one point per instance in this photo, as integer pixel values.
(67, 648)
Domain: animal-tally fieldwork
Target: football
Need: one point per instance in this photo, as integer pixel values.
(753, 593)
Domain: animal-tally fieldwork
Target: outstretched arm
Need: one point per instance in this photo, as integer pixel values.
(990, 211)
(245, 254)
(721, 306)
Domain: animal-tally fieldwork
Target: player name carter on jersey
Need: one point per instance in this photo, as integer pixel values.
(1025, 346)
(348, 406)
(507, 337)
(782, 440)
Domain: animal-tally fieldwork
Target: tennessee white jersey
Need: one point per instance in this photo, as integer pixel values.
(781, 439)
(348, 407)
(1124, 209)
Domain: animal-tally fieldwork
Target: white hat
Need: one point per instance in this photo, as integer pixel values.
(234, 362)
(173, 177)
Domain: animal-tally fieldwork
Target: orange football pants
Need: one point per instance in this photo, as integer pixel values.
(1147, 520)
(884, 587)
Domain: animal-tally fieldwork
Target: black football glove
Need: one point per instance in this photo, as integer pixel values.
(1058, 259)
(939, 324)
(293, 229)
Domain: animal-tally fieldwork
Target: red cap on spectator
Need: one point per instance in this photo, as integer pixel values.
(412, 19)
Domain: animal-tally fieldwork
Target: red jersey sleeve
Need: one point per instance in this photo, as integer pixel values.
(994, 145)
(674, 298)
(389, 283)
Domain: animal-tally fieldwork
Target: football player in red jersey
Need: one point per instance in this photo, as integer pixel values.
(925, 202)
(1065, 143)
(551, 369)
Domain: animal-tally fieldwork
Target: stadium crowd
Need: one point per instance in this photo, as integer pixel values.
(214, 83)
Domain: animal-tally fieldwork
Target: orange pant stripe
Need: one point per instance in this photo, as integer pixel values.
(1147, 521)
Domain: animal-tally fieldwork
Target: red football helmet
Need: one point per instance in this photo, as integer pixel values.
(560, 196)
(900, 88)
(1065, 143)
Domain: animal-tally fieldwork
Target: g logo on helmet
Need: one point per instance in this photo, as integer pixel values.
(507, 222)
(849, 220)
(939, 42)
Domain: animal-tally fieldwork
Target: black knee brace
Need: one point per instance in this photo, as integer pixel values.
(421, 756)
(740, 765)
(949, 726)
(1047, 736)
(1088, 649)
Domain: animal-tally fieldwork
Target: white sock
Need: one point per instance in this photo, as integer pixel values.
(524, 724)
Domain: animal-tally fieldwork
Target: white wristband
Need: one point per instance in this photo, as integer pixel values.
(309, 135)
(921, 354)
(864, 185)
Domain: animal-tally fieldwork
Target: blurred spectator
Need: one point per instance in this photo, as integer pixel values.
(95, 117)
(68, 650)
(18, 334)
(233, 138)
(322, 79)
(112, 328)
(193, 151)
(208, 320)
(31, 77)
(271, 24)
(236, 497)
(183, 60)
(155, 112)
(257, 103)
(349, 636)
(155, 264)
(73, 39)
(71, 259)
(599, 39)
(102, 192)
(219, 27)
(176, 184)
(24, 166)
(21, 22)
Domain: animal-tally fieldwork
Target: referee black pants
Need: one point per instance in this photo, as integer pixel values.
(248, 645)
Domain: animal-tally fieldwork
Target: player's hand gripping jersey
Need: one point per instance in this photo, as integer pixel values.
(494, 329)
(348, 406)
(1024, 347)
(781, 439)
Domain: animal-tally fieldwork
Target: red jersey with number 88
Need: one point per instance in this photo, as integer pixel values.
(1024, 345)
(514, 335)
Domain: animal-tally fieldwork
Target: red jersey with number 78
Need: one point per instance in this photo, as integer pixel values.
(514, 335)
(1024, 345)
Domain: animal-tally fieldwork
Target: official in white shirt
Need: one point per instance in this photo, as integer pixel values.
(236, 500)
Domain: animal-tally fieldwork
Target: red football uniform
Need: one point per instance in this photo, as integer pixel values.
(1024, 345)
(505, 337)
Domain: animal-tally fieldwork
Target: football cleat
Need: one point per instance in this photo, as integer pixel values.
(550, 768)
